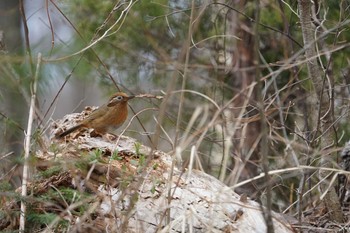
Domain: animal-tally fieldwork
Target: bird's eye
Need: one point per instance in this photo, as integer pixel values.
(119, 97)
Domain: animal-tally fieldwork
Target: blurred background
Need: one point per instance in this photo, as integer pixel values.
(215, 50)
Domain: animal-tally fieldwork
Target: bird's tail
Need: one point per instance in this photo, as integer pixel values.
(70, 130)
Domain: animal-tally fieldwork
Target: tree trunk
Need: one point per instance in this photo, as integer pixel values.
(320, 103)
(244, 135)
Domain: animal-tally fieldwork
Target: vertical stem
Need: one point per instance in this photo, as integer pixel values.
(264, 150)
(27, 147)
(184, 79)
(179, 114)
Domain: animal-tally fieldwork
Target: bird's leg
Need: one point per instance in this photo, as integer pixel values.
(112, 137)
(96, 133)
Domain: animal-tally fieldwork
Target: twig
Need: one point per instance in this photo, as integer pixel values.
(104, 35)
(290, 169)
(27, 147)
(159, 97)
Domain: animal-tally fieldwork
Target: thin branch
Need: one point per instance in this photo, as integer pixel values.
(26, 34)
(51, 26)
(258, 23)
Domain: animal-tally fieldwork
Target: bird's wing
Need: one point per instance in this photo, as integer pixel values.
(97, 113)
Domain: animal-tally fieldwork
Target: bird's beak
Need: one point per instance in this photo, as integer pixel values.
(131, 97)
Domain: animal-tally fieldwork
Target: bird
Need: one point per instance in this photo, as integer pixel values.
(107, 117)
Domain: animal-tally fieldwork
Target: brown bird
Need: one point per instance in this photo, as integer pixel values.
(107, 117)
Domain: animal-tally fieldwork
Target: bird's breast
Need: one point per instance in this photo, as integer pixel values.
(117, 115)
